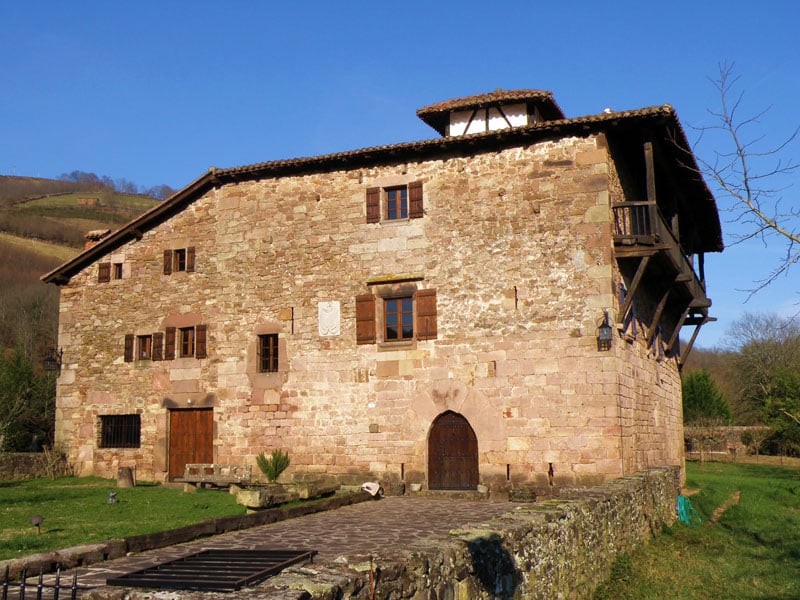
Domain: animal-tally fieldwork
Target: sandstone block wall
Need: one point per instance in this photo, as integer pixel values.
(516, 243)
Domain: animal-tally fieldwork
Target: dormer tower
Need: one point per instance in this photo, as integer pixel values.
(500, 109)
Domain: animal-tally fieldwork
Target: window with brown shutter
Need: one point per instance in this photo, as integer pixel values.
(179, 259)
(169, 343)
(167, 262)
(365, 319)
(117, 270)
(395, 203)
(200, 342)
(104, 272)
(415, 209)
(158, 346)
(373, 205)
(129, 347)
(426, 314)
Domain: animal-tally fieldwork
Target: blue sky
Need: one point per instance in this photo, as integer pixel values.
(156, 92)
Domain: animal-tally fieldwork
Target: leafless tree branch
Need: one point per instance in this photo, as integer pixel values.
(740, 175)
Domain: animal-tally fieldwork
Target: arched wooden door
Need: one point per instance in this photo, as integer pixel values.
(452, 454)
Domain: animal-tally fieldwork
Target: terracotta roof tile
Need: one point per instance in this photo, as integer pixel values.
(485, 99)
(656, 116)
(438, 115)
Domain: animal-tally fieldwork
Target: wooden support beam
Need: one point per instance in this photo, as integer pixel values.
(650, 178)
(688, 348)
(637, 279)
(657, 316)
(676, 332)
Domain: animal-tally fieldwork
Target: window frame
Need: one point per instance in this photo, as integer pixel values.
(144, 347)
(186, 342)
(120, 431)
(116, 270)
(394, 208)
(402, 316)
(268, 353)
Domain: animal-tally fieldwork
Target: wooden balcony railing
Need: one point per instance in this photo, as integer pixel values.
(641, 228)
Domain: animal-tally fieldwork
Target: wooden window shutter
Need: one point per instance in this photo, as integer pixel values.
(426, 315)
(365, 319)
(167, 262)
(373, 205)
(169, 344)
(190, 259)
(200, 342)
(104, 272)
(415, 209)
(129, 347)
(158, 346)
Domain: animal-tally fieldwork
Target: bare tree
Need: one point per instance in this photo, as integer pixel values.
(750, 175)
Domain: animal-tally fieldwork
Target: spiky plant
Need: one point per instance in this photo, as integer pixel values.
(274, 465)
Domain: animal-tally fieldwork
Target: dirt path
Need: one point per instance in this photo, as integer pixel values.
(732, 501)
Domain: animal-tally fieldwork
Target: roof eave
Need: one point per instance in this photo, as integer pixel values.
(132, 231)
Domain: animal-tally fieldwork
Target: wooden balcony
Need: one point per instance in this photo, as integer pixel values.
(648, 250)
(640, 230)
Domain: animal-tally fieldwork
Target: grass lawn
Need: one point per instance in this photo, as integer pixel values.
(752, 551)
(75, 512)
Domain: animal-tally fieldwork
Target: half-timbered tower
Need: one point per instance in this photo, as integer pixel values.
(487, 307)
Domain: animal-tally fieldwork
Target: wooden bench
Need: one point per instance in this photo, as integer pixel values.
(202, 474)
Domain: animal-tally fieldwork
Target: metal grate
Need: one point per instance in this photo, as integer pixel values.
(217, 570)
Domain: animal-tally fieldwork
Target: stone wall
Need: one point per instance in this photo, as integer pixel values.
(22, 465)
(517, 244)
(561, 548)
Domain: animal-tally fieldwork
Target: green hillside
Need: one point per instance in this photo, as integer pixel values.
(65, 218)
(37, 234)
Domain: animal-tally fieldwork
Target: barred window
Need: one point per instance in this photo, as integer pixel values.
(120, 431)
(268, 353)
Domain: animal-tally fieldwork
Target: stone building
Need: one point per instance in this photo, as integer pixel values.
(498, 305)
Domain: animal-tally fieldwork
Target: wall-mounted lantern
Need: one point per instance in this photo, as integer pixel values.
(604, 334)
(52, 360)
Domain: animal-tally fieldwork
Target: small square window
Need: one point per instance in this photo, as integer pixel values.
(144, 347)
(120, 431)
(186, 341)
(117, 267)
(398, 316)
(268, 353)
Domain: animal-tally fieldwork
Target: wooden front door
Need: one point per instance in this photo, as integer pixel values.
(191, 439)
(452, 454)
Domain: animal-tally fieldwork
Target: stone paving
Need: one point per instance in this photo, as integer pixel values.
(349, 534)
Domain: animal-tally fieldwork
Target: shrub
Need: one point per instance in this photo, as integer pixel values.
(273, 466)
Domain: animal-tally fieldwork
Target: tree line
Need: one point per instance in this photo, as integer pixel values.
(17, 189)
(120, 185)
(754, 382)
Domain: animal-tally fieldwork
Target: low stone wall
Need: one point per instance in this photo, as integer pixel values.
(22, 465)
(561, 548)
